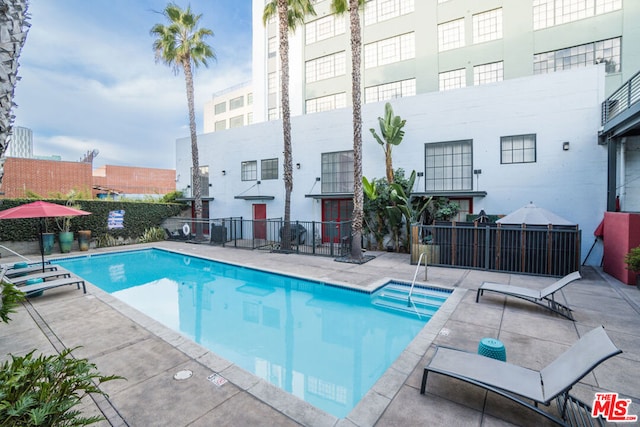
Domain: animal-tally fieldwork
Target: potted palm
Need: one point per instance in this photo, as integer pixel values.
(65, 236)
(632, 259)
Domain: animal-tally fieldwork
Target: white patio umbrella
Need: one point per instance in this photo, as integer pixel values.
(533, 215)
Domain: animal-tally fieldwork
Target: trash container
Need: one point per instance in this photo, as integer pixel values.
(298, 234)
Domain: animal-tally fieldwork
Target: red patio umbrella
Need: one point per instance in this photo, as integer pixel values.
(40, 210)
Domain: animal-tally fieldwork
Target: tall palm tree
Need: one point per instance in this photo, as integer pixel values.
(180, 44)
(340, 7)
(15, 25)
(290, 13)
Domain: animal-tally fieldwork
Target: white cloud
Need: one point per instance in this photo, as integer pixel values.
(89, 80)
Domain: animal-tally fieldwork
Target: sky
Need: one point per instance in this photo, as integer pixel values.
(89, 78)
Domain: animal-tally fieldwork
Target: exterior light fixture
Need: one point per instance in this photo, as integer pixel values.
(224, 173)
(297, 165)
(317, 178)
(565, 146)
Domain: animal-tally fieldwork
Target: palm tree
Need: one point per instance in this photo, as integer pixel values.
(181, 45)
(340, 7)
(290, 13)
(13, 21)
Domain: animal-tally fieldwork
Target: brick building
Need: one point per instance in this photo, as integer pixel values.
(46, 178)
(133, 181)
(50, 178)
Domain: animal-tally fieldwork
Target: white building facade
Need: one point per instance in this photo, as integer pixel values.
(20, 143)
(229, 108)
(411, 47)
(492, 147)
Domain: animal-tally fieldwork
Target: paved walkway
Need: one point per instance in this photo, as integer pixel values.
(122, 341)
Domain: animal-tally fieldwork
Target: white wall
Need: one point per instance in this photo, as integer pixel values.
(557, 107)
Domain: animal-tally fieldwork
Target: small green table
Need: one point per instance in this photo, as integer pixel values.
(493, 348)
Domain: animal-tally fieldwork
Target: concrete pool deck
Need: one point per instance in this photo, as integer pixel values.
(122, 341)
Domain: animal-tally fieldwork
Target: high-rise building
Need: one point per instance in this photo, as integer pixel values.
(20, 143)
(417, 46)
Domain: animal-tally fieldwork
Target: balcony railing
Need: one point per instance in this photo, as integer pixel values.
(622, 99)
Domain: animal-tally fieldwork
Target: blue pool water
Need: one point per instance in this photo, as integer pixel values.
(325, 344)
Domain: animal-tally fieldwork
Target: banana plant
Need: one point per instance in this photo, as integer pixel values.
(405, 208)
(392, 134)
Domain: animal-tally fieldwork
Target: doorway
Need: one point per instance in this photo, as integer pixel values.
(259, 221)
(335, 210)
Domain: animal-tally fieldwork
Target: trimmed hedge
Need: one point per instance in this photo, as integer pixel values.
(138, 217)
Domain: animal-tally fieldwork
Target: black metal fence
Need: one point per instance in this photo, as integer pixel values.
(543, 250)
(323, 238)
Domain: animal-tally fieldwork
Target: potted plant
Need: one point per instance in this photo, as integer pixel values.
(632, 259)
(48, 238)
(84, 238)
(65, 236)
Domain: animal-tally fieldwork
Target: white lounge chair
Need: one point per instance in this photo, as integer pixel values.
(544, 297)
(53, 274)
(32, 268)
(50, 284)
(513, 382)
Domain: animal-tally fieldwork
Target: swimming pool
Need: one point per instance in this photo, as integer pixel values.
(323, 343)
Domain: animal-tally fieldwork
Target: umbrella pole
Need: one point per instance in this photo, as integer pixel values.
(42, 242)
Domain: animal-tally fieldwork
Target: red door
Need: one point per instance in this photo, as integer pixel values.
(259, 221)
(335, 210)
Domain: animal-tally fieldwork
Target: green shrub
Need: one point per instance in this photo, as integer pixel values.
(11, 297)
(633, 259)
(153, 234)
(43, 390)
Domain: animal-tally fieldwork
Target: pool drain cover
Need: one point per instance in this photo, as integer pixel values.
(183, 375)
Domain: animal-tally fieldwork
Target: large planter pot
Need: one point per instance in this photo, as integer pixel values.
(84, 237)
(48, 240)
(65, 239)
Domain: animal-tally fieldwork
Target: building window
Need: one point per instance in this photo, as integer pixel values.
(325, 67)
(324, 28)
(453, 79)
(272, 84)
(204, 180)
(390, 90)
(518, 149)
(381, 10)
(236, 103)
(273, 114)
(487, 73)
(220, 108)
(249, 171)
(220, 125)
(449, 166)
(269, 169)
(487, 26)
(249, 118)
(236, 122)
(326, 103)
(250, 98)
(605, 51)
(337, 172)
(451, 35)
(273, 46)
(387, 51)
(547, 13)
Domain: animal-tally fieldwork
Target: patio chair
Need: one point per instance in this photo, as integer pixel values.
(50, 284)
(53, 274)
(31, 268)
(511, 381)
(544, 297)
